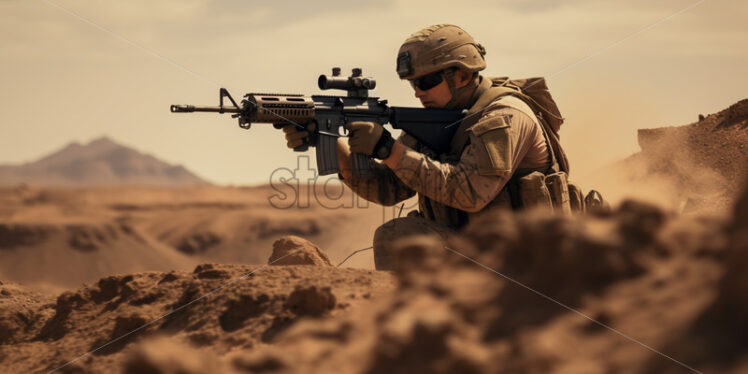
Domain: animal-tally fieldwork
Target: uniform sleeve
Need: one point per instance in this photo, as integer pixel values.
(382, 186)
(483, 169)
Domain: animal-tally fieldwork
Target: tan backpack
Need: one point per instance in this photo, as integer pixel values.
(534, 92)
(557, 191)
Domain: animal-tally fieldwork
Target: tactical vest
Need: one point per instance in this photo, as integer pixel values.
(506, 93)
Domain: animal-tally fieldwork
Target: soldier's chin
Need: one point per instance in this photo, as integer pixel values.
(428, 104)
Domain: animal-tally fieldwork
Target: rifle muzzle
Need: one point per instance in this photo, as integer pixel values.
(182, 108)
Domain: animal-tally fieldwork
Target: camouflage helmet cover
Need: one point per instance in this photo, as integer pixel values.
(436, 48)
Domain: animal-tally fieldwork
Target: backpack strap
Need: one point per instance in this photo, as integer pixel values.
(489, 94)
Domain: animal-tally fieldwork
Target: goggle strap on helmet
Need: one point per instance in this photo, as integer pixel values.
(449, 75)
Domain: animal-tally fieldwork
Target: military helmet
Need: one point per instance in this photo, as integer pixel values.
(436, 48)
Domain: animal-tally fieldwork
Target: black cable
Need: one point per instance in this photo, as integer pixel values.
(353, 253)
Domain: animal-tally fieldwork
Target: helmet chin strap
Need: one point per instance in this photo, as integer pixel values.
(457, 100)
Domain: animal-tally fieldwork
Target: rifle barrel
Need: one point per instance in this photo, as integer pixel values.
(213, 109)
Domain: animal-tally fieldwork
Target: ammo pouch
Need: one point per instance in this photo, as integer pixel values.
(553, 192)
(576, 198)
(533, 192)
(558, 186)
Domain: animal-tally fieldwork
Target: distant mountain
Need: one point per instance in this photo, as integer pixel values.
(102, 162)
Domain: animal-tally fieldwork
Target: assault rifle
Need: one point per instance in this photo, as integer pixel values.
(432, 127)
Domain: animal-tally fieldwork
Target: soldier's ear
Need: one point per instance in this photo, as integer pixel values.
(462, 78)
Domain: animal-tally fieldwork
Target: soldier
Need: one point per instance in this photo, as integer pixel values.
(499, 138)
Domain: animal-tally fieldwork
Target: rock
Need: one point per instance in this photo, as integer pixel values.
(293, 250)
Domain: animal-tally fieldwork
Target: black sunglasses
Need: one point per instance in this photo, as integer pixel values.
(428, 82)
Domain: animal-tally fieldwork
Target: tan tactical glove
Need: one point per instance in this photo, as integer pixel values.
(295, 137)
(368, 137)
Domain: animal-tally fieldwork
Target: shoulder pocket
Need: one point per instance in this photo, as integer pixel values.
(493, 146)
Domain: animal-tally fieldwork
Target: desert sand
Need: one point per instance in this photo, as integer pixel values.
(176, 280)
(59, 238)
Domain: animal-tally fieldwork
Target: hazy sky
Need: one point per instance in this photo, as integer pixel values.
(610, 66)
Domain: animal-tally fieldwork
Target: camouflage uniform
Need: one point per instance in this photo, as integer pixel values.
(489, 147)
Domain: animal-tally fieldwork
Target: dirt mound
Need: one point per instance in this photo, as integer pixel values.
(21, 312)
(719, 337)
(530, 292)
(293, 250)
(537, 293)
(639, 270)
(715, 142)
(700, 167)
(219, 307)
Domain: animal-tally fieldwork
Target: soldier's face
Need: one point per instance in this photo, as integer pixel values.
(435, 97)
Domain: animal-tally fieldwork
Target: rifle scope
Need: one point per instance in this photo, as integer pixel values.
(354, 83)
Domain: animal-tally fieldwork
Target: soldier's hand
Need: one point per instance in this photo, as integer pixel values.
(296, 137)
(364, 136)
